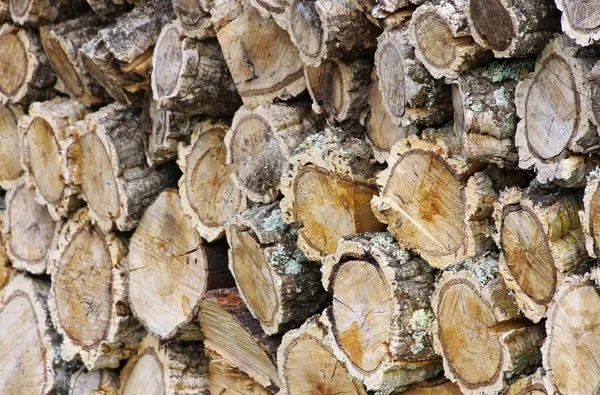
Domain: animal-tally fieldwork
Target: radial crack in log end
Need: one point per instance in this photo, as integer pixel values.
(580, 20)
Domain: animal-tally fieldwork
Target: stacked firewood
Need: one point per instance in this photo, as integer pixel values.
(299, 197)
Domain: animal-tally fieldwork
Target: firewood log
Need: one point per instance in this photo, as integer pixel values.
(440, 386)
(384, 8)
(478, 330)
(327, 189)
(10, 149)
(194, 19)
(280, 287)
(4, 11)
(171, 269)
(589, 214)
(580, 20)
(228, 380)
(110, 8)
(260, 143)
(529, 385)
(94, 382)
(273, 8)
(42, 12)
(166, 368)
(382, 328)
(6, 270)
(223, 12)
(556, 129)
(232, 332)
(208, 195)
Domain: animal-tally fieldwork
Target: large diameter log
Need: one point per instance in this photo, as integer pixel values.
(10, 149)
(42, 12)
(555, 105)
(478, 330)
(260, 142)
(278, 284)
(329, 29)
(381, 316)
(232, 332)
(191, 76)
(580, 20)
(171, 269)
(194, 19)
(529, 385)
(25, 73)
(228, 380)
(540, 239)
(169, 369)
(94, 382)
(512, 29)
(264, 64)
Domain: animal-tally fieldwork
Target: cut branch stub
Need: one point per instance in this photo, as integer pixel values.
(278, 284)
(42, 12)
(265, 65)
(306, 363)
(43, 132)
(442, 41)
(94, 382)
(540, 238)
(194, 19)
(329, 29)
(433, 201)
(260, 142)
(232, 332)
(478, 330)
(555, 107)
(29, 232)
(25, 73)
(107, 160)
(580, 20)
(327, 189)
(510, 28)
(381, 316)
(191, 76)
(170, 270)
(208, 195)
(226, 379)
(166, 368)
(10, 149)
(529, 385)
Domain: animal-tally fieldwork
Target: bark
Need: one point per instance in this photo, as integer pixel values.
(109, 8)
(274, 9)
(533, 384)
(440, 386)
(42, 12)
(4, 11)
(580, 20)
(589, 215)
(228, 380)
(222, 12)
(94, 382)
(10, 149)
(194, 19)
(6, 270)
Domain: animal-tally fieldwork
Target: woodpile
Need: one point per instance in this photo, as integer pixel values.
(299, 197)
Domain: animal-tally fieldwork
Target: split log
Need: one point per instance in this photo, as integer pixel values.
(555, 132)
(441, 37)
(260, 142)
(107, 161)
(43, 132)
(580, 20)
(330, 29)
(327, 189)
(278, 284)
(307, 365)
(169, 369)
(194, 19)
(191, 76)
(265, 65)
(25, 73)
(381, 315)
(228, 380)
(61, 43)
(232, 332)
(439, 386)
(28, 230)
(42, 12)
(94, 382)
(273, 8)
(339, 88)
(530, 385)
(540, 238)
(512, 29)
(10, 149)
(170, 270)
(208, 195)
(478, 330)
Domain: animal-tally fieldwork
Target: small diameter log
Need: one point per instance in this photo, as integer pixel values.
(381, 315)
(191, 76)
(440, 386)
(94, 382)
(264, 64)
(28, 230)
(329, 29)
(260, 143)
(194, 19)
(170, 270)
(580, 20)
(338, 88)
(529, 385)
(434, 202)
(540, 238)
(61, 43)
(327, 189)
(43, 12)
(43, 132)
(208, 195)
(278, 284)
(25, 73)
(512, 29)
(307, 365)
(166, 368)
(10, 149)
(106, 159)
(478, 330)
(232, 332)
(228, 380)
(555, 107)
(441, 37)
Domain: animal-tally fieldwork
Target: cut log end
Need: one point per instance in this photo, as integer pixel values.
(10, 149)
(580, 20)
(14, 69)
(499, 34)
(305, 26)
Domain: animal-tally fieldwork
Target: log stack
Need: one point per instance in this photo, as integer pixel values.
(299, 197)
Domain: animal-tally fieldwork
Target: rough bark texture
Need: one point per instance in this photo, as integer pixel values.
(194, 19)
(273, 8)
(580, 20)
(10, 149)
(110, 8)
(42, 12)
